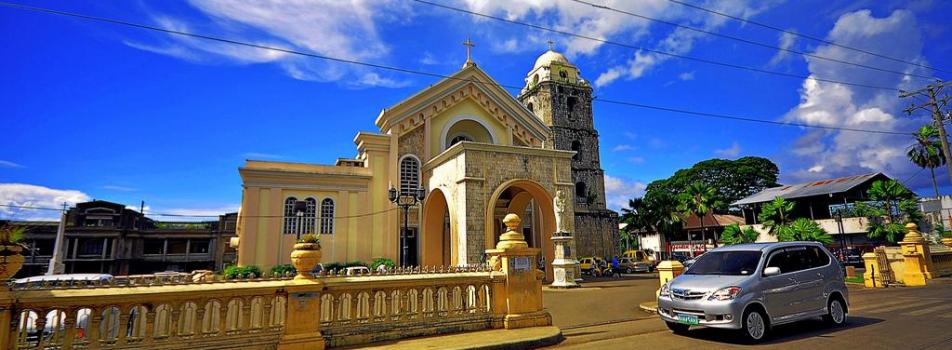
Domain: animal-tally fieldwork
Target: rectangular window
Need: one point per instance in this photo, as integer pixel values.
(153, 246)
(200, 246)
(90, 247)
(177, 246)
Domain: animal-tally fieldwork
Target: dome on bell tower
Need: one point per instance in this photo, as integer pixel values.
(553, 66)
(548, 57)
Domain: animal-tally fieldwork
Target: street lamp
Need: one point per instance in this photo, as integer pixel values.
(405, 199)
(839, 226)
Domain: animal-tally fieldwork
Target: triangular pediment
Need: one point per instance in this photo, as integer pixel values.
(470, 83)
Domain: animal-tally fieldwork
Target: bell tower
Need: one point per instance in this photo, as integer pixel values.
(556, 93)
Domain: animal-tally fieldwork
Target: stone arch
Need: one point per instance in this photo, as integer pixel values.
(543, 199)
(438, 241)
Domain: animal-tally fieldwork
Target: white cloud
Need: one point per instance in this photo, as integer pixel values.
(590, 21)
(686, 76)
(25, 195)
(623, 148)
(786, 41)
(825, 154)
(730, 152)
(119, 188)
(342, 29)
(618, 191)
(9, 164)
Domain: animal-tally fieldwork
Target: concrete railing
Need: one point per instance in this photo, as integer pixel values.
(391, 306)
(278, 312)
(156, 315)
(942, 262)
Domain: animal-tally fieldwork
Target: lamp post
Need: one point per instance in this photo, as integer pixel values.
(405, 199)
(839, 226)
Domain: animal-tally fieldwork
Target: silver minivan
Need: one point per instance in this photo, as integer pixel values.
(752, 287)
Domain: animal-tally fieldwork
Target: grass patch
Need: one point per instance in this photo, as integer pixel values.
(856, 279)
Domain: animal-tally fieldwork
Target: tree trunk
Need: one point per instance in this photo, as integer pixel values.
(935, 185)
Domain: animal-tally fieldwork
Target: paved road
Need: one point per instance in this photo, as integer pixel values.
(895, 318)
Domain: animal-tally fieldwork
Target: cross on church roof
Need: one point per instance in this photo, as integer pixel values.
(551, 43)
(469, 46)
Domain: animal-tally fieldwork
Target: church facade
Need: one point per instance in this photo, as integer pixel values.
(469, 152)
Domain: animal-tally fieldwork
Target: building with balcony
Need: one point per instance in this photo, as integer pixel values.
(106, 237)
(819, 201)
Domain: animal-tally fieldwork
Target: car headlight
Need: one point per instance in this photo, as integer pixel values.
(728, 293)
(665, 290)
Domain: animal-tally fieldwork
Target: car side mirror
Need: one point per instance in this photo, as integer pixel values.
(771, 271)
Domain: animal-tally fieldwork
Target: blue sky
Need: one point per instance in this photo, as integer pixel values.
(93, 110)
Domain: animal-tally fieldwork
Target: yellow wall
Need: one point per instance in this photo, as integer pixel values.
(466, 108)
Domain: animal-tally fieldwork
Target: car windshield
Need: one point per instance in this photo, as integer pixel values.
(736, 263)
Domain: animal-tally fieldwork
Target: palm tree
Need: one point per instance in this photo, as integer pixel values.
(888, 192)
(804, 229)
(927, 152)
(775, 214)
(698, 199)
(733, 234)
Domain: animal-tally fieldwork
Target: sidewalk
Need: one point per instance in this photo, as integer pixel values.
(495, 339)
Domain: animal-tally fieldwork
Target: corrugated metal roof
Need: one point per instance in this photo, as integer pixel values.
(808, 189)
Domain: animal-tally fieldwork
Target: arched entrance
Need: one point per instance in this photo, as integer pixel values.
(533, 203)
(438, 246)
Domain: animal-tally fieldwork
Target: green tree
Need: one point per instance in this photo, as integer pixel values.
(698, 199)
(732, 180)
(656, 212)
(927, 152)
(733, 234)
(803, 229)
(775, 214)
(889, 193)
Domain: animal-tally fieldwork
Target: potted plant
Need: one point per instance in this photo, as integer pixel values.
(10, 259)
(306, 255)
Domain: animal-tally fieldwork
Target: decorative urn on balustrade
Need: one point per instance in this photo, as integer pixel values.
(306, 255)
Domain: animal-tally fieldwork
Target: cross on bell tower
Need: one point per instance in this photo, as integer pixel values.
(551, 45)
(469, 59)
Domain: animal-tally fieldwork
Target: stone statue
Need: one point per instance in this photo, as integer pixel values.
(560, 211)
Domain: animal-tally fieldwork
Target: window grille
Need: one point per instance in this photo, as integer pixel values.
(327, 216)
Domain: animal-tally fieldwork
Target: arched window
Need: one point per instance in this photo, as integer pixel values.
(577, 147)
(327, 216)
(409, 175)
(460, 138)
(310, 216)
(290, 220)
(580, 191)
(530, 107)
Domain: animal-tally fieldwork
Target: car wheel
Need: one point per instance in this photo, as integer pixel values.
(835, 313)
(628, 270)
(755, 326)
(677, 328)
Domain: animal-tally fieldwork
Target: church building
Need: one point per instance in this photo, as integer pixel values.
(460, 154)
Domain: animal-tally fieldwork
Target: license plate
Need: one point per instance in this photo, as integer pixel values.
(688, 319)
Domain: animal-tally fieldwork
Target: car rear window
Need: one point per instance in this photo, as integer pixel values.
(735, 263)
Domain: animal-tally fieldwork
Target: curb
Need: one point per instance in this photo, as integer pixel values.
(650, 307)
(547, 340)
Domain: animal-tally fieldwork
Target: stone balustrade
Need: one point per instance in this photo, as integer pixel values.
(156, 315)
(276, 312)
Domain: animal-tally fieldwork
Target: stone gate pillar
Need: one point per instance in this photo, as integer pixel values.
(918, 262)
(521, 296)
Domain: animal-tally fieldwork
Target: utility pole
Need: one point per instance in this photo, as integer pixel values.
(933, 104)
(56, 265)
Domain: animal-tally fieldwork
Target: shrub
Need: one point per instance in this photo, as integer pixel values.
(333, 266)
(283, 270)
(355, 263)
(382, 261)
(309, 238)
(235, 272)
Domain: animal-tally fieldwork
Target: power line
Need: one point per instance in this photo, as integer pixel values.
(444, 76)
(208, 216)
(828, 42)
(660, 52)
(751, 42)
